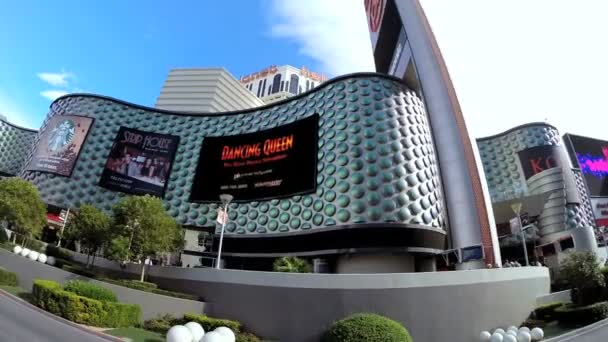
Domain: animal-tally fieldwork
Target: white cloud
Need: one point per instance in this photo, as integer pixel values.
(513, 62)
(13, 113)
(53, 94)
(58, 79)
(332, 32)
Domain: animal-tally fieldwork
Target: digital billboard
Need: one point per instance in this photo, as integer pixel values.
(139, 162)
(538, 159)
(591, 155)
(278, 162)
(60, 143)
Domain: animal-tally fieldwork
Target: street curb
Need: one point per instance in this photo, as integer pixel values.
(59, 319)
(578, 333)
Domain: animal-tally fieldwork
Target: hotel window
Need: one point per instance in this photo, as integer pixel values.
(269, 88)
(307, 85)
(276, 81)
(286, 85)
(282, 85)
(293, 83)
(259, 88)
(299, 89)
(263, 88)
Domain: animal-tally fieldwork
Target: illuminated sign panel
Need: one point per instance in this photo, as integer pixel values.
(592, 158)
(278, 162)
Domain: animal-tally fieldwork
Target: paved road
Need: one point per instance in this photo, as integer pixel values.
(19, 322)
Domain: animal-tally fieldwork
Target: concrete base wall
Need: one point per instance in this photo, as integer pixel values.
(375, 263)
(151, 304)
(434, 306)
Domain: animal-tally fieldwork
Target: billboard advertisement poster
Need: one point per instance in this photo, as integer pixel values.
(278, 162)
(537, 159)
(139, 162)
(60, 143)
(591, 155)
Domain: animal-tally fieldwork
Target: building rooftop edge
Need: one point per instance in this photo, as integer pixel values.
(241, 111)
(510, 130)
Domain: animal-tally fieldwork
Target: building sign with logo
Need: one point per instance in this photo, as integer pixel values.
(591, 156)
(60, 143)
(139, 162)
(260, 74)
(375, 11)
(600, 210)
(538, 159)
(278, 162)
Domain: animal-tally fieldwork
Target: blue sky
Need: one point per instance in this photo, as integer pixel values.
(125, 49)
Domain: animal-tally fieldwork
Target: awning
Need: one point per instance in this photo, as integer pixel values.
(531, 204)
(54, 220)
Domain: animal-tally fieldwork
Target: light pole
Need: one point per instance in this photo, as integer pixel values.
(225, 198)
(65, 220)
(517, 210)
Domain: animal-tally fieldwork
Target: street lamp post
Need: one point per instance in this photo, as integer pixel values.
(517, 210)
(226, 199)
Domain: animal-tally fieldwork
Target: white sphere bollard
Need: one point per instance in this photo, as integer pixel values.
(496, 337)
(213, 336)
(524, 336)
(50, 260)
(511, 332)
(179, 333)
(509, 338)
(526, 329)
(25, 252)
(33, 255)
(514, 328)
(500, 331)
(485, 336)
(17, 249)
(42, 258)
(196, 330)
(227, 333)
(537, 334)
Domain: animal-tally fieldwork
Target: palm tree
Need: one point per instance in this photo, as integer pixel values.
(291, 264)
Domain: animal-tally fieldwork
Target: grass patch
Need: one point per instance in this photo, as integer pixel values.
(136, 334)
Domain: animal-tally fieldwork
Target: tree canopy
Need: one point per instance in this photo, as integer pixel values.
(291, 264)
(143, 229)
(91, 227)
(21, 206)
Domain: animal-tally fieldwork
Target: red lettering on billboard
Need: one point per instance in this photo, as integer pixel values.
(374, 10)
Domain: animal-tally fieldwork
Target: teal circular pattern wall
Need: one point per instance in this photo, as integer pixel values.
(374, 146)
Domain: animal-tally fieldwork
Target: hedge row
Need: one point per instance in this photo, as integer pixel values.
(90, 290)
(210, 323)
(570, 315)
(49, 296)
(162, 324)
(149, 287)
(8, 278)
(547, 312)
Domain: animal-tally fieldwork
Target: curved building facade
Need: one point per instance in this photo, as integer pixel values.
(529, 165)
(15, 144)
(377, 185)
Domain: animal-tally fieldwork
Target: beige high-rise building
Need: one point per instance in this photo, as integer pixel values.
(207, 90)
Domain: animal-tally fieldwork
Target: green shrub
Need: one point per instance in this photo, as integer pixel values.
(367, 327)
(175, 294)
(161, 324)
(8, 278)
(90, 290)
(36, 245)
(78, 270)
(209, 323)
(49, 296)
(3, 235)
(247, 337)
(547, 312)
(291, 264)
(59, 253)
(572, 315)
(582, 271)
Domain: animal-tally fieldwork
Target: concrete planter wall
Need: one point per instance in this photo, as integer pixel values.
(151, 304)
